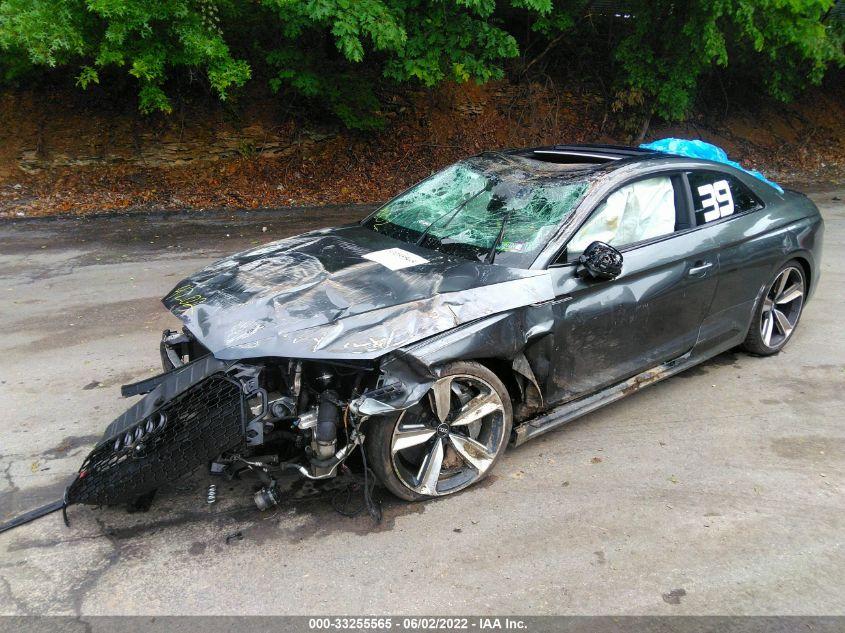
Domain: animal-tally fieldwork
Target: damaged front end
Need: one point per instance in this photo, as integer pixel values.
(263, 416)
(292, 352)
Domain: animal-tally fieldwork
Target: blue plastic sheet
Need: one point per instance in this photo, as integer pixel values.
(700, 149)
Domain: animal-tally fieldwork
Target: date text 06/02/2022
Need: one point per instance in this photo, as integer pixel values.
(417, 623)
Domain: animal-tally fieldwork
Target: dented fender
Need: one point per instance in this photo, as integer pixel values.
(415, 368)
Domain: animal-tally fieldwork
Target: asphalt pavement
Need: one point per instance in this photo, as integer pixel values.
(719, 491)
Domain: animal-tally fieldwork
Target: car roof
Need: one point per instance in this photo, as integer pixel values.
(587, 157)
(586, 153)
(562, 162)
(568, 163)
(593, 160)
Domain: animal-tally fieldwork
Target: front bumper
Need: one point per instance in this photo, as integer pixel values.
(190, 415)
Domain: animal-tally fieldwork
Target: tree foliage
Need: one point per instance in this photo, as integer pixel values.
(145, 38)
(780, 45)
(654, 54)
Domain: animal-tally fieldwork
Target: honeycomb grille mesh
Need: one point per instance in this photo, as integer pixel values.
(193, 428)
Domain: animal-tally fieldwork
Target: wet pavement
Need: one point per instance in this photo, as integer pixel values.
(717, 491)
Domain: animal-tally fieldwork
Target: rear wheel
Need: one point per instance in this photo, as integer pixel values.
(778, 311)
(449, 440)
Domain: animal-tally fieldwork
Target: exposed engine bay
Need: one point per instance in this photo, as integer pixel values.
(260, 417)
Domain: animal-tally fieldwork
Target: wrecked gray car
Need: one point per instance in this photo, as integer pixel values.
(498, 299)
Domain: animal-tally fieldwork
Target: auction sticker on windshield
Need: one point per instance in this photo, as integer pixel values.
(395, 258)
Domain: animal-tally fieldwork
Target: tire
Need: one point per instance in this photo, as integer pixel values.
(778, 311)
(471, 439)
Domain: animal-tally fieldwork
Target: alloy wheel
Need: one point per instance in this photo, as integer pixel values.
(782, 307)
(454, 443)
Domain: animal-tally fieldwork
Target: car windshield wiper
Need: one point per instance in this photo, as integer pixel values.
(491, 254)
(452, 215)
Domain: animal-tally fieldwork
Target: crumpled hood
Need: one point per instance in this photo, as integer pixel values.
(342, 293)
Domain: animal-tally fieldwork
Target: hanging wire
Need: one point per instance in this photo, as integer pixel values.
(343, 499)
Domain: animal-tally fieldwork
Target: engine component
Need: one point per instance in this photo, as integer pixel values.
(325, 433)
(267, 497)
(283, 407)
(327, 468)
(307, 420)
(325, 379)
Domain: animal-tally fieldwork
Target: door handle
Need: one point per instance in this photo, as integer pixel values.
(699, 268)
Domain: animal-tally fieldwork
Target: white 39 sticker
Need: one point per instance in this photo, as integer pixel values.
(395, 258)
(718, 199)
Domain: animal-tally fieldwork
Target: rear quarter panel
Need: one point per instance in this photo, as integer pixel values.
(751, 249)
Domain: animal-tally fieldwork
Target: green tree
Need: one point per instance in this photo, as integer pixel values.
(146, 38)
(325, 44)
(667, 47)
(655, 54)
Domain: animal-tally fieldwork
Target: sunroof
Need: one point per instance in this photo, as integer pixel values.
(586, 157)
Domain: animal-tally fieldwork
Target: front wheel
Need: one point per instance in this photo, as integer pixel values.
(447, 441)
(776, 314)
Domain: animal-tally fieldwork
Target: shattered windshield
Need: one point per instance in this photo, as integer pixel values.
(491, 212)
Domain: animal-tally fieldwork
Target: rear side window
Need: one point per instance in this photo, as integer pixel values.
(716, 195)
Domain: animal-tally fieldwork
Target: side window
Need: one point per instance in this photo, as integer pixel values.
(639, 211)
(717, 195)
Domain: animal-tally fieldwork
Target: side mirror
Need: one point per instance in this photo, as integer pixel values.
(600, 261)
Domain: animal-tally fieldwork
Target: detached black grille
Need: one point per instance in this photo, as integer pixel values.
(193, 428)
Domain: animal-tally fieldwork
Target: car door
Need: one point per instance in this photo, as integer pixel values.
(608, 330)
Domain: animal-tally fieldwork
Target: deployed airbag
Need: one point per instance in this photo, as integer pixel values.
(640, 211)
